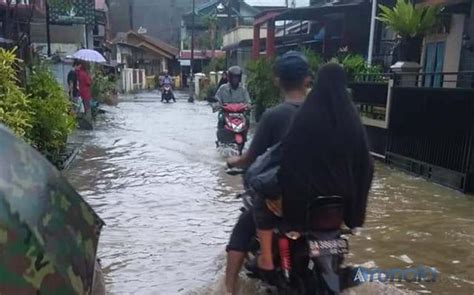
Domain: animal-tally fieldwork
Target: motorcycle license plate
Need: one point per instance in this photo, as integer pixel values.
(319, 248)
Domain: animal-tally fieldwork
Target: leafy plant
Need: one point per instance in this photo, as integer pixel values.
(52, 121)
(211, 22)
(102, 86)
(15, 105)
(411, 23)
(215, 65)
(356, 67)
(315, 60)
(261, 85)
(207, 92)
(408, 20)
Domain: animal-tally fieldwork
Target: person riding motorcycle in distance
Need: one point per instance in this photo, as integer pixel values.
(167, 80)
(232, 92)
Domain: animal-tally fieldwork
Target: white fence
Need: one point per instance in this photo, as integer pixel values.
(133, 79)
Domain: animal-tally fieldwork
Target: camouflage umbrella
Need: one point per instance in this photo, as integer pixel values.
(48, 233)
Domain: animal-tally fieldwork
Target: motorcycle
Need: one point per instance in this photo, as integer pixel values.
(233, 126)
(309, 261)
(167, 93)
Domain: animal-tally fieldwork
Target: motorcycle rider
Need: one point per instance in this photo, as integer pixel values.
(293, 76)
(233, 92)
(167, 80)
(324, 153)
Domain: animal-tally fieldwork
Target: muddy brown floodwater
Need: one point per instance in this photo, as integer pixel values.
(152, 172)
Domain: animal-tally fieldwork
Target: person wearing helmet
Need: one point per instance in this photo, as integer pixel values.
(167, 80)
(292, 75)
(233, 92)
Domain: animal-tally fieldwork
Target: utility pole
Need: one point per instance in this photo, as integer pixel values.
(372, 32)
(284, 26)
(48, 32)
(191, 70)
(130, 14)
(229, 26)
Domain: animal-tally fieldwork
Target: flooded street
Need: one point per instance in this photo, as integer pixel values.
(152, 172)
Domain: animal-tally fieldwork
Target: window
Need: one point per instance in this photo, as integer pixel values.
(434, 62)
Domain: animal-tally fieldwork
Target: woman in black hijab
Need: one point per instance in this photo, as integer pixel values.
(325, 153)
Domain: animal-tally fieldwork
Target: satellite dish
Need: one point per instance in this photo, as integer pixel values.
(220, 7)
(142, 30)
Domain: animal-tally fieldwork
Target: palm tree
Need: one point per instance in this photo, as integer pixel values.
(411, 23)
(211, 23)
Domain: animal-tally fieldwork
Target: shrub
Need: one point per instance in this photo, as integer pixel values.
(52, 121)
(356, 67)
(208, 92)
(102, 86)
(315, 60)
(261, 86)
(15, 109)
(215, 65)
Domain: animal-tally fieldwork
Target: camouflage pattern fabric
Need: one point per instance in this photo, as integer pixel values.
(48, 233)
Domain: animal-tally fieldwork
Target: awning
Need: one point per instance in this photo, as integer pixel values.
(266, 16)
(5, 41)
(316, 12)
(201, 54)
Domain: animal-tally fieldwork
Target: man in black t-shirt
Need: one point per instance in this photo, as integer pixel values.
(293, 76)
(72, 80)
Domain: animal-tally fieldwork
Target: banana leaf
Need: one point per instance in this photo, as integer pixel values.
(48, 233)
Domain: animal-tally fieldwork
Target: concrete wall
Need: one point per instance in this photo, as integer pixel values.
(467, 56)
(74, 34)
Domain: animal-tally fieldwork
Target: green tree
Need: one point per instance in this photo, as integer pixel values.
(211, 22)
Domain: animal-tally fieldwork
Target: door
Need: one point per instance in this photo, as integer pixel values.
(434, 61)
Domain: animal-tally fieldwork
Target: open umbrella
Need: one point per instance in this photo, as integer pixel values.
(48, 233)
(89, 55)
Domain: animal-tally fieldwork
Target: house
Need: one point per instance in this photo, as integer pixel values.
(139, 56)
(214, 13)
(228, 22)
(421, 120)
(70, 26)
(159, 17)
(142, 51)
(101, 31)
(15, 20)
(325, 26)
(450, 47)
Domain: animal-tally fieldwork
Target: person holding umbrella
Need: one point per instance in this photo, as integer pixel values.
(83, 77)
(84, 84)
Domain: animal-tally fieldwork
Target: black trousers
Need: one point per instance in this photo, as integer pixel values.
(243, 233)
(245, 230)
